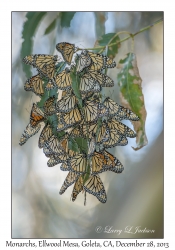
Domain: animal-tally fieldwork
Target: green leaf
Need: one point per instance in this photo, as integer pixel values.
(106, 40)
(131, 95)
(72, 144)
(29, 29)
(82, 144)
(50, 27)
(66, 18)
(75, 85)
(60, 67)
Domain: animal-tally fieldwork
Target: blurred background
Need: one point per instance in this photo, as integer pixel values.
(134, 198)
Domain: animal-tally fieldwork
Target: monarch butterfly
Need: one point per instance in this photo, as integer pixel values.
(52, 162)
(45, 135)
(103, 80)
(93, 110)
(100, 62)
(88, 129)
(64, 142)
(71, 118)
(36, 116)
(86, 95)
(115, 109)
(115, 139)
(64, 166)
(84, 61)
(98, 161)
(103, 161)
(88, 84)
(103, 134)
(35, 84)
(47, 151)
(54, 146)
(78, 163)
(113, 164)
(49, 106)
(76, 131)
(67, 103)
(28, 132)
(45, 64)
(78, 187)
(63, 80)
(67, 50)
(64, 159)
(95, 186)
(70, 179)
(113, 123)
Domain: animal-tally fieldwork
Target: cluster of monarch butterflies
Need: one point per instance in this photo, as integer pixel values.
(80, 127)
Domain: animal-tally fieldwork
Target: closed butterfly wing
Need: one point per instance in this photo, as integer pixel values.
(88, 129)
(67, 103)
(67, 50)
(91, 111)
(29, 60)
(88, 84)
(36, 116)
(63, 80)
(78, 163)
(103, 80)
(98, 162)
(54, 146)
(65, 167)
(95, 186)
(72, 117)
(70, 179)
(76, 132)
(52, 162)
(64, 142)
(84, 61)
(28, 132)
(45, 64)
(127, 114)
(112, 163)
(45, 135)
(120, 112)
(115, 139)
(100, 62)
(103, 134)
(78, 187)
(113, 123)
(47, 151)
(49, 106)
(35, 84)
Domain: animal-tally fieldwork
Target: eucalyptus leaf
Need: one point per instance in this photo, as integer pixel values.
(29, 30)
(131, 95)
(66, 18)
(82, 144)
(50, 27)
(75, 86)
(72, 144)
